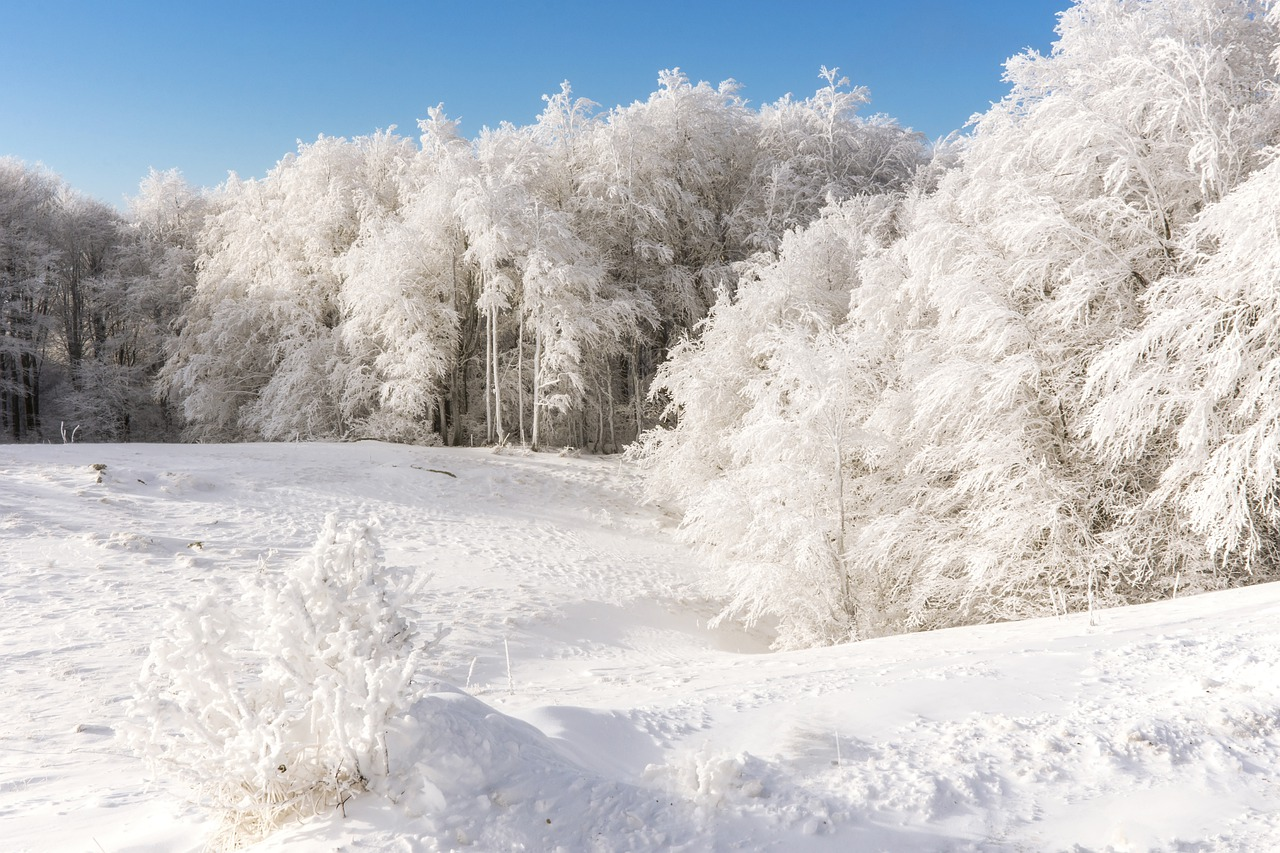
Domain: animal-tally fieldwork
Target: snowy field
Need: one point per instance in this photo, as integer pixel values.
(623, 722)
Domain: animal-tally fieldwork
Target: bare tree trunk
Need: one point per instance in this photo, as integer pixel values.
(524, 439)
(73, 322)
(599, 422)
(14, 402)
(488, 396)
(842, 562)
(4, 395)
(635, 388)
(497, 385)
(537, 389)
(613, 438)
(31, 384)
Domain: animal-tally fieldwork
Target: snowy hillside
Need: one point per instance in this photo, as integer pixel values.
(623, 723)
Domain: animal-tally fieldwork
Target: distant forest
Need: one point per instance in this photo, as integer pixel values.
(890, 384)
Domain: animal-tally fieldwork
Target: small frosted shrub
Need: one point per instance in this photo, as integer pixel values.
(277, 707)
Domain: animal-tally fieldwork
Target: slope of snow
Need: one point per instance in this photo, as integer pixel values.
(623, 723)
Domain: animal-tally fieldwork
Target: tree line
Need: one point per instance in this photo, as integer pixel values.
(520, 287)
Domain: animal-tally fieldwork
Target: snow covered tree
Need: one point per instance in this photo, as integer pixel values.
(79, 341)
(1189, 401)
(495, 209)
(28, 201)
(818, 150)
(103, 388)
(670, 172)
(581, 318)
(768, 405)
(401, 322)
(983, 498)
(1029, 259)
(260, 352)
(690, 184)
(166, 220)
(430, 218)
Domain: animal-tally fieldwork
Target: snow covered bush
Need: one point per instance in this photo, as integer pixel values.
(277, 706)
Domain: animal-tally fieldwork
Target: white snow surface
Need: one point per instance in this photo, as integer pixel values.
(624, 723)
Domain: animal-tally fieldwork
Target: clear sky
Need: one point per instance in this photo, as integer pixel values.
(102, 90)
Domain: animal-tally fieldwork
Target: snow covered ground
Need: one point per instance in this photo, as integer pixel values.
(623, 723)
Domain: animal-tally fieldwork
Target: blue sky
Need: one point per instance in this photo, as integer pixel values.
(100, 91)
